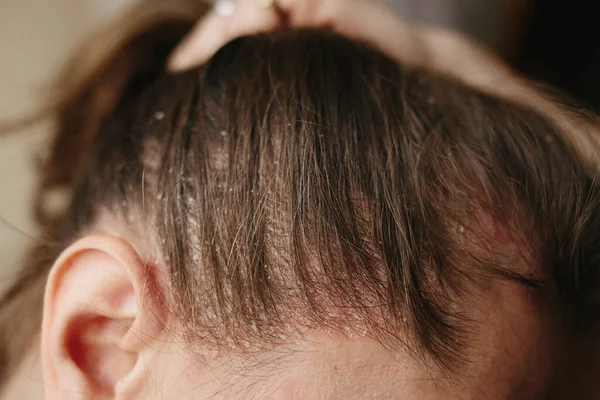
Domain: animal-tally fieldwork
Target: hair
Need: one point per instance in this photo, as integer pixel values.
(301, 180)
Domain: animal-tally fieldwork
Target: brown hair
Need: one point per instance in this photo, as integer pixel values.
(302, 180)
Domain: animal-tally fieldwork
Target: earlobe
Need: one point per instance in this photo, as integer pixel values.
(100, 313)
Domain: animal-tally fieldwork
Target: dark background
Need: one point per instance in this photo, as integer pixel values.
(560, 46)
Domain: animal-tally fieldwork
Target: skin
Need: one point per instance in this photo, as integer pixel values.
(366, 21)
(135, 351)
(106, 336)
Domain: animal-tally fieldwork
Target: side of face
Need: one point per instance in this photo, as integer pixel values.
(107, 335)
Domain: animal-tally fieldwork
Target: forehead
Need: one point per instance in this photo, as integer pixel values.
(513, 357)
(512, 348)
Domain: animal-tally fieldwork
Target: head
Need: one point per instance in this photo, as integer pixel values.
(302, 217)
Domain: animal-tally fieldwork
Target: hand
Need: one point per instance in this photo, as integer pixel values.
(368, 21)
(363, 20)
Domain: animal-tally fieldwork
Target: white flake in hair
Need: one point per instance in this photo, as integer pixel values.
(159, 115)
(253, 327)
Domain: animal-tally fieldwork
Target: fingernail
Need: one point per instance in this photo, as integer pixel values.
(224, 7)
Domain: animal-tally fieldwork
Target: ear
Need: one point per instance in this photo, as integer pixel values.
(101, 312)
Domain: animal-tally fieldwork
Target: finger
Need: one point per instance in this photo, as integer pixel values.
(367, 21)
(370, 22)
(374, 23)
(216, 30)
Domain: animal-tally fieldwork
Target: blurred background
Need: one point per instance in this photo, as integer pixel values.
(36, 37)
(554, 41)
